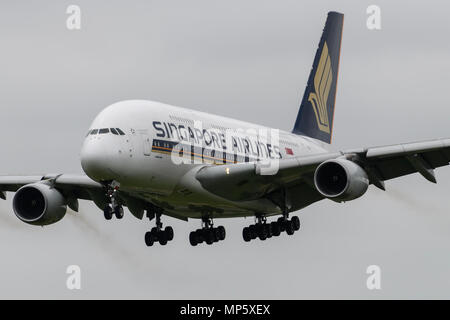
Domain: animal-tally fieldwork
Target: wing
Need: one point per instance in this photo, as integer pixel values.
(388, 162)
(73, 187)
(293, 184)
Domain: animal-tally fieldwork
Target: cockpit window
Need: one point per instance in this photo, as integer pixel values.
(115, 131)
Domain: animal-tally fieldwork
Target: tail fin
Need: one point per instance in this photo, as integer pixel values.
(315, 117)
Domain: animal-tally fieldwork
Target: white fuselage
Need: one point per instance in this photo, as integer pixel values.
(139, 154)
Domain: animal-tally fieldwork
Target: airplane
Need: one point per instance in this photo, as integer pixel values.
(160, 160)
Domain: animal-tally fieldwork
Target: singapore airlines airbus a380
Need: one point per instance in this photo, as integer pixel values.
(158, 160)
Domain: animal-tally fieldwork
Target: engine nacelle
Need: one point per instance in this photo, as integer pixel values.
(39, 204)
(340, 180)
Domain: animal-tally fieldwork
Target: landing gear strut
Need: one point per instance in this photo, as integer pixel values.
(264, 230)
(208, 233)
(157, 233)
(114, 207)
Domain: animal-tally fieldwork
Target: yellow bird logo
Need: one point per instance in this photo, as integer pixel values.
(322, 86)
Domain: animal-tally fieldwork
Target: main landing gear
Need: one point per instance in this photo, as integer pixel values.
(158, 234)
(207, 233)
(264, 230)
(114, 207)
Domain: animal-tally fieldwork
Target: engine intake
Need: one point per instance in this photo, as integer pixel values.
(39, 204)
(340, 180)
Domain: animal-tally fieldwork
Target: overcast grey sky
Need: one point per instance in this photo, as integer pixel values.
(243, 59)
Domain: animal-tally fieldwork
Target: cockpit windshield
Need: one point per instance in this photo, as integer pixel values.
(115, 131)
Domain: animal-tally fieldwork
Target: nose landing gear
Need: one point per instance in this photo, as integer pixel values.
(114, 207)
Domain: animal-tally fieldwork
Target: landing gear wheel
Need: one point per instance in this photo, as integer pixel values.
(289, 226)
(268, 228)
(216, 235)
(276, 230)
(107, 212)
(118, 212)
(222, 232)
(199, 235)
(162, 238)
(169, 233)
(253, 232)
(149, 239)
(246, 234)
(281, 222)
(262, 232)
(296, 222)
(193, 238)
(209, 236)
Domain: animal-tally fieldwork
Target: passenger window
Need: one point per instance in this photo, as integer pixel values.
(114, 131)
(120, 132)
(103, 131)
(95, 131)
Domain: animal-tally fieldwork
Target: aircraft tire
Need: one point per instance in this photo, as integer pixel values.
(246, 234)
(216, 234)
(281, 222)
(262, 232)
(253, 232)
(107, 212)
(222, 232)
(296, 221)
(268, 228)
(276, 230)
(199, 236)
(149, 239)
(169, 233)
(118, 212)
(162, 238)
(209, 236)
(193, 238)
(289, 226)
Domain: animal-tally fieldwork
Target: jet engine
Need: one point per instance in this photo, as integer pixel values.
(39, 204)
(340, 180)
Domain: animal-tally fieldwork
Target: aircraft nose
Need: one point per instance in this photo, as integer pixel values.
(95, 159)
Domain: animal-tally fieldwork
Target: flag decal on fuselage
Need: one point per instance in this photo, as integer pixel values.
(289, 151)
